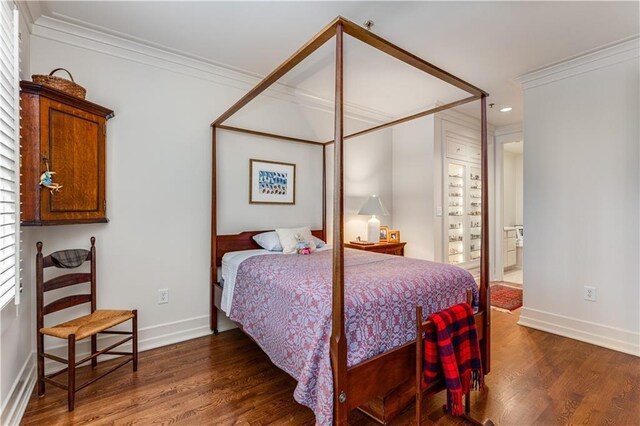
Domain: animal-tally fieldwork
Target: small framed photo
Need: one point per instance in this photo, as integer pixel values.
(384, 234)
(394, 236)
(271, 182)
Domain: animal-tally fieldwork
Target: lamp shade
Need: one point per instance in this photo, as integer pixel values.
(374, 207)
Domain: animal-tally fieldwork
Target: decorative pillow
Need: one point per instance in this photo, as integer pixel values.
(268, 241)
(290, 237)
(318, 241)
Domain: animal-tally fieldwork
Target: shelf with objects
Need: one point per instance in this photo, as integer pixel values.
(463, 198)
(456, 212)
(475, 211)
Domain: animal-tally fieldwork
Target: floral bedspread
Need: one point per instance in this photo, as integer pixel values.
(284, 303)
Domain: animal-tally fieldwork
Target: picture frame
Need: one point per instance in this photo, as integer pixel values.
(271, 182)
(384, 234)
(394, 236)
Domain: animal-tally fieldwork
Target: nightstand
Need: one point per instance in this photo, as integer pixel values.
(385, 248)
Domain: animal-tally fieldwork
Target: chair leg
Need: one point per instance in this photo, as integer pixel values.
(71, 372)
(134, 329)
(418, 410)
(94, 349)
(40, 356)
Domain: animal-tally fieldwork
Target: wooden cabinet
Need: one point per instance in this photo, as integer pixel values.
(385, 248)
(69, 135)
(509, 248)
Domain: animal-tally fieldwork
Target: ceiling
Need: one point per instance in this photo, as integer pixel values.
(484, 43)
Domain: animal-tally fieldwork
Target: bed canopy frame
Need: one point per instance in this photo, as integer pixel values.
(355, 385)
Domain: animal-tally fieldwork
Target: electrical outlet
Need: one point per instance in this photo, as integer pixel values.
(439, 211)
(590, 293)
(163, 296)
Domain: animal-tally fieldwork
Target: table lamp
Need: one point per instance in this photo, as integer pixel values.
(373, 207)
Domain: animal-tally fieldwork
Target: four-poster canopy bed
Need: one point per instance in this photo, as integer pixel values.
(387, 376)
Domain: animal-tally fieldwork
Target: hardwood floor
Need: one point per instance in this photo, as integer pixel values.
(536, 378)
(513, 275)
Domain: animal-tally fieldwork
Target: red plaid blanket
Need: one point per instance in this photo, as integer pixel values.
(453, 351)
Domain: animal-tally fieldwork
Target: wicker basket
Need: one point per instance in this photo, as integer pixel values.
(62, 84)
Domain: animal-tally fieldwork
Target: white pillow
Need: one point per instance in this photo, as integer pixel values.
(268, 241)
(289, 238)
(318, 241)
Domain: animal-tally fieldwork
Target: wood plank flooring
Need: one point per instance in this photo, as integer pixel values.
(536, 378)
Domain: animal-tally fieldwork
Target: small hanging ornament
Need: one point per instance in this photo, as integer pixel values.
(46, 179)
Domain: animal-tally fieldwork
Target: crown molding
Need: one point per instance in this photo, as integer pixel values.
(77, 35)
(610, 54)
(29, 12)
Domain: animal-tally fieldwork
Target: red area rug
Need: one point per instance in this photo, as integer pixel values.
(505, 297)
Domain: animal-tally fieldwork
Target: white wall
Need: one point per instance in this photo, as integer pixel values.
(367, 171)
(413, 186)
(581, 212)
(235, 214)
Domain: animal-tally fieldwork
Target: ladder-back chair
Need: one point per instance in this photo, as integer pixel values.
(97, 322)
(423, 327)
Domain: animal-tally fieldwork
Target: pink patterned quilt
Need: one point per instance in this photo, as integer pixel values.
(284, 303)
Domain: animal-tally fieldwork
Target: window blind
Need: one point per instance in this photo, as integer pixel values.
(9, 154)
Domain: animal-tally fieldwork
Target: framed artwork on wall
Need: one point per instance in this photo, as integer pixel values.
(394, 236)
(271, 182)
(384, 234)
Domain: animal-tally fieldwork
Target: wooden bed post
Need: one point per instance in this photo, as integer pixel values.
(338, 338)
(324, 193)
(485, 291)
(214, 236)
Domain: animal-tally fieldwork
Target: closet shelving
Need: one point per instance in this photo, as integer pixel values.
(464, 208)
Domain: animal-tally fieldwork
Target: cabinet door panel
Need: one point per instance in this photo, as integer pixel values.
(73, 151)
(73, 144)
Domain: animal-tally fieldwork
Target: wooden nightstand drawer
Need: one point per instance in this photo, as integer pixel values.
(396, 249)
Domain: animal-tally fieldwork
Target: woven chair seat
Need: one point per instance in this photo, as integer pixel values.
(88, 325)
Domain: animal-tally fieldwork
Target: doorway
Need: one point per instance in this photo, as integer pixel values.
(512, 213)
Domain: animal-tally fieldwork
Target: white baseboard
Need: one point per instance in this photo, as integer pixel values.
(597, 334)
(14, 406)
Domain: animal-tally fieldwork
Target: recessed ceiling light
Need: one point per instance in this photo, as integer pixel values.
(505, 109)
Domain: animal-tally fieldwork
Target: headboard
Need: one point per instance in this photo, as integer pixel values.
(244, 241)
